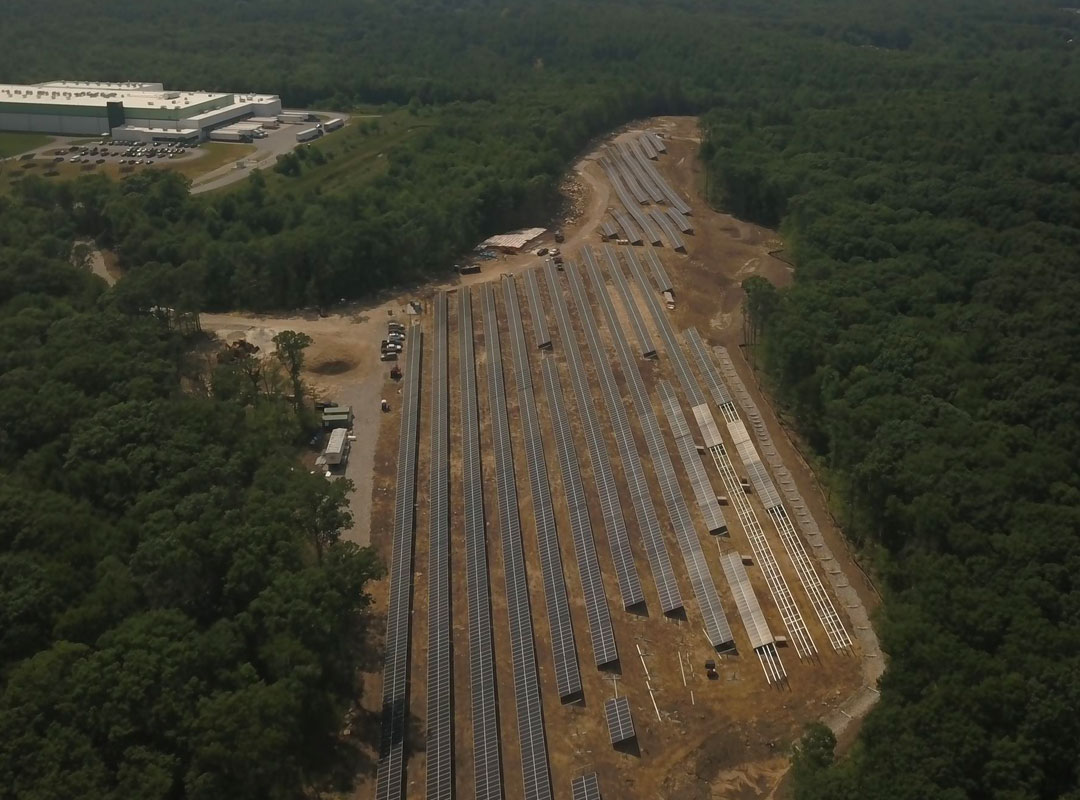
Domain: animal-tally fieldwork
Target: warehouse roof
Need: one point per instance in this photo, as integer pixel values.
(515, 240)
(133, 95)
(135, 98)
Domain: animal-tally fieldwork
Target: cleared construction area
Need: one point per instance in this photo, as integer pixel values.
(604, 606)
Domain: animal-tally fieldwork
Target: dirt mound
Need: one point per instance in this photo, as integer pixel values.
(332, 366)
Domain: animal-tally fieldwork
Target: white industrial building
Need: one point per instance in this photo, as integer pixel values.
(144, 111)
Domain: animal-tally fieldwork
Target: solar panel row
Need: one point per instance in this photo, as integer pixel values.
(608, 230)
(604, 479)
(536, 309)
(679, 220)
(663, 282)
(563, 650)
(645, 142)
(390, 774)
(620, 723)
(592, 584)
(629, 229)
(487, 771)
(439, 745)
(585, 787)
(766, 559)
(530, 721)
(716, 625)
(761, 638)
(684, 442)
(716, 386)
(657, 142)
(673, 236)
(645, 343)
(671, 344)
(649, 526)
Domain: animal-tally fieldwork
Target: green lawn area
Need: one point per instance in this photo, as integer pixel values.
(354, 154)
(12, 144)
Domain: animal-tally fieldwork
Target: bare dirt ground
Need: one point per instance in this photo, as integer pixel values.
(724, 738)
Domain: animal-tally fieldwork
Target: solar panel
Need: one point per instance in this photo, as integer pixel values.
(439, 745)
(658, 143)
(717, 629)
(648, 525)
(390, 774)
(585, 787)
(563, 650)
(487, 772)
(592, 584)
(620, 723)
(536, 309)
(684, 442)
(534, 764)
(645, 343)
(603, 478)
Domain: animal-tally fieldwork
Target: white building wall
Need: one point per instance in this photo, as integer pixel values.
(54, 123)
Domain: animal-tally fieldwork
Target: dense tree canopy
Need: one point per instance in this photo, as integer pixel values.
(170, 628)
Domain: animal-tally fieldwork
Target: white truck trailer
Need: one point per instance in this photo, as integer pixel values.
(308, 134)
(337, 447)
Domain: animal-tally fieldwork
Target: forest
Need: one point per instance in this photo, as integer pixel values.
(179, 617)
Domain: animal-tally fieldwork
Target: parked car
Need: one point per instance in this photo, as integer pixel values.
(388, 357)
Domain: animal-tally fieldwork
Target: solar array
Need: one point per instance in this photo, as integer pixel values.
(645, 343)
(389, 781)
(627, 159)
(684, 441)
(620, 723)
(647, 146)
(536, 308)
(585, 787)
(629, 202)
(672, 198)
(761, 638)
(657, 142)
(763, 552)
(618, 542)
(608, 229)
(649, 526)
(759, 477)
(717, 629)
(487, 771)
(440, 688)
(563, 650)
(664, 222)
(530, 720)
(629, 229)
(592, 584)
